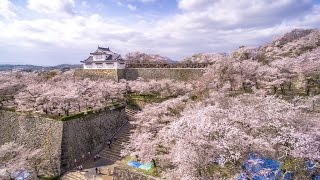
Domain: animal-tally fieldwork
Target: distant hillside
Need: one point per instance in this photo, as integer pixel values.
(290, 45)
(9, 67)
(139, 57)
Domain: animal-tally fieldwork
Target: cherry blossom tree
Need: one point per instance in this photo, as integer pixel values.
(15, 158)
(163, 87)
(187, 136)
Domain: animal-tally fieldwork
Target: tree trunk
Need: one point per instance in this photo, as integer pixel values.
(66, 112)
(274, 90)
(313, 106)
(243, 86)
(289, 86)
(282, 89)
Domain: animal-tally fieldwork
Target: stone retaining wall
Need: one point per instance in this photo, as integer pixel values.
(88, 134)
(61, 142)
(181, 74)
(97, 73)
(34, 133)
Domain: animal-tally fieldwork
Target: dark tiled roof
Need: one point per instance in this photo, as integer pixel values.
(110, 56)
(98, 53)
(103, 49)
(89, 59)
(107, 62)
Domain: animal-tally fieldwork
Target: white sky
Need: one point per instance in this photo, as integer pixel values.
(53, 32)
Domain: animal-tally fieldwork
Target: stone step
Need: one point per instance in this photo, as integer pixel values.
(121, 139)
(113, 159)
(117, 146)
(74, 176)
(114, 152)
(126, 135)
(120, 143)
(109, 156)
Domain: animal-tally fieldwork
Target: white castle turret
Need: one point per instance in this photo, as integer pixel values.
(104, 58)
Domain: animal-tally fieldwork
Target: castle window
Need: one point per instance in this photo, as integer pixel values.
(99, 65)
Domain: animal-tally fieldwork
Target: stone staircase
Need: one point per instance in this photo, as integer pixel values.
(118, 143)
(130, 113)
(76, 175)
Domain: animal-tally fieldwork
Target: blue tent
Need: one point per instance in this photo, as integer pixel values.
(260, 168)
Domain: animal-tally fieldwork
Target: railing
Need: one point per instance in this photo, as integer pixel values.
(169, 65)
(115, 133)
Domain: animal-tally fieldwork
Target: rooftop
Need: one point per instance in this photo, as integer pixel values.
(110, 56)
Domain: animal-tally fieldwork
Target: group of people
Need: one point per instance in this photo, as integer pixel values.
(98, 171)
(109, 143)
(80, 167)
(96, 157)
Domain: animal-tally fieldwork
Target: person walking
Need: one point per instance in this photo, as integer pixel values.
(154, 163)
(96, 170)
(109, 143)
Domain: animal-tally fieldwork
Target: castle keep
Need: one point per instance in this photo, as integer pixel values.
(104, 58)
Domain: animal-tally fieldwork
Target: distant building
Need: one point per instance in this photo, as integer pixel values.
(104, 58)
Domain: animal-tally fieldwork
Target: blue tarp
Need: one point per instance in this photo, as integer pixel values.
(146, 166)
(242, 176)
(21, 175)
(288, 176)
(312, 170)
(134, 164)
(261, 168)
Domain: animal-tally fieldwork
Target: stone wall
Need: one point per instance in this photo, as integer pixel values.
(61, 142)
(88, 134)
(122, 173)
(97, 73)
(34, 133)
(181, 74)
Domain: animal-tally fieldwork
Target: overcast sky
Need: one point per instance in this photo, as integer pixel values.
(50, 32)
